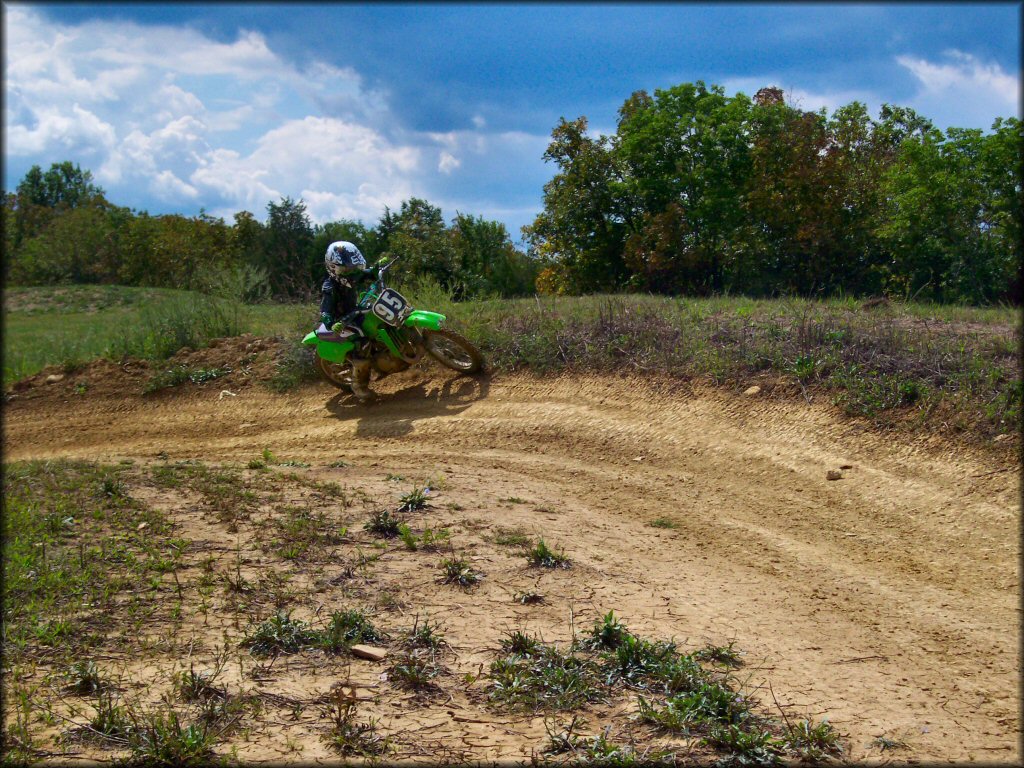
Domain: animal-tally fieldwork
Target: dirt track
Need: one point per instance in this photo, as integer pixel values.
(886, 600)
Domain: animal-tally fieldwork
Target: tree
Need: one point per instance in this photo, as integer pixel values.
(487, 261)
(417, 236)
(580, 231)
(288, 248)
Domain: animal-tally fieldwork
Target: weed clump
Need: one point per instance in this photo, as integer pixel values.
(415, 670)
(347, 628)
(607, 633)
(726, 655)
(511, 537)
(198, 686)
(813, 741)
(384, 524)
(532, 676)
(542, 556)
(458, 571)
(280, 634)
(162, 740)
(349, 736)
(430, 540)
(424, 635)
(415, 499)
(84, 678)
(180, 374)
(296, 365)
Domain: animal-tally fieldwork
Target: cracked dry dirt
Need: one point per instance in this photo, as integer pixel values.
(886, 601)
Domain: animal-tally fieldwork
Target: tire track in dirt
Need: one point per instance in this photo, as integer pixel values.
(886, 600)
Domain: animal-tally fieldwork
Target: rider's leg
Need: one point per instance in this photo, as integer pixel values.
(361, 378)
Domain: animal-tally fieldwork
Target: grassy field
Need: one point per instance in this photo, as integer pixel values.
(913, 363)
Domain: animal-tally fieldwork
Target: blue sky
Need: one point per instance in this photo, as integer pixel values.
(226, 107)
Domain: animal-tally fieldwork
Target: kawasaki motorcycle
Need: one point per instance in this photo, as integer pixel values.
(395, 336)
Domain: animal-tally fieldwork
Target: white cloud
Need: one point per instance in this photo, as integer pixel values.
(61, 130)
(962, 91)
(169, 187)
(448, 163)
(167, 111)
(333, 165)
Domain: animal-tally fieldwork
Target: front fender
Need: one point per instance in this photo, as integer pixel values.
(422, 318)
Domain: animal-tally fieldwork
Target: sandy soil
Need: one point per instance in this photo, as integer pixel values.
(887, 600)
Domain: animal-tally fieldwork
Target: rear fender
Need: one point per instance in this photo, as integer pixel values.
(422, 318)
(328, 349)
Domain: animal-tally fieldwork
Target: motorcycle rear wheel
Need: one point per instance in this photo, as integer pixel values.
(339, 374)
(454, 351)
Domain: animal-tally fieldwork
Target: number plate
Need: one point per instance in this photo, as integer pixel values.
(391, 307)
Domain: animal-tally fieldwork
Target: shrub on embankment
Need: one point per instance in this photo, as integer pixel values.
(955, 366)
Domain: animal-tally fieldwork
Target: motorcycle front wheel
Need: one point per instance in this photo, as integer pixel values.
(453, 350)
(339, 374)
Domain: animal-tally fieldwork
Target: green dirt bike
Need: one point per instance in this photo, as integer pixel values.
(395, 337)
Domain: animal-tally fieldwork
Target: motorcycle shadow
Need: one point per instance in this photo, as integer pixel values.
(394, 414)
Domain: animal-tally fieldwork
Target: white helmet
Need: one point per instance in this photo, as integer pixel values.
(343, 258)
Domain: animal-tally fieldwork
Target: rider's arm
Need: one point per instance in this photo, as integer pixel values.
(328, 302)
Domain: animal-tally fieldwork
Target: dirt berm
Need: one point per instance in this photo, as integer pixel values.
(886, 600)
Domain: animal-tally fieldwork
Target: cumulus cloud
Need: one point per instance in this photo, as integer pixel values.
(448, 163)
(61, 129)
(165, 116)
(962, 90)
(341, 167)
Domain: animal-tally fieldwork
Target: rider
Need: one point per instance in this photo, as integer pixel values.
(346, 268)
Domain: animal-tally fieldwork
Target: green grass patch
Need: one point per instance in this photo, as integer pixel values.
(532, 676)
(511, 537)
(76, 545)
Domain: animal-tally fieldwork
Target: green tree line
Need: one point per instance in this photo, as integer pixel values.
(698, 192)
(60, 228)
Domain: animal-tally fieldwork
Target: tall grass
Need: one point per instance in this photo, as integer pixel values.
(960, 364)
(67, 325)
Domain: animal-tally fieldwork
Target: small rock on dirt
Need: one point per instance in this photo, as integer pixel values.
(752, 391)
(53, 378)
(846, 466)
(369, 652)
(833, 474)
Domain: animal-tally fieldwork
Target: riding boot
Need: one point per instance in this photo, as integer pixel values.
(361, 378)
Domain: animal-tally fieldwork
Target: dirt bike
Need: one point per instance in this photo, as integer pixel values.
(395, 336)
